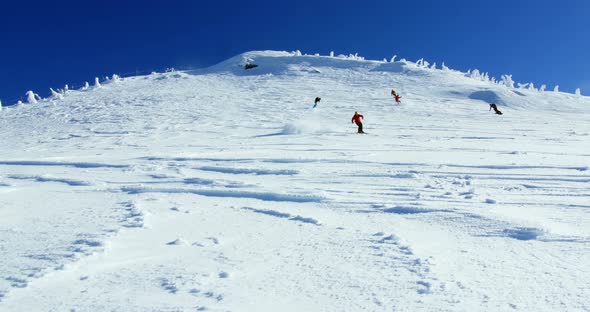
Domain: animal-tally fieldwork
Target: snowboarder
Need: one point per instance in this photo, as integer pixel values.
(357, 119)
(317, 100)
(495, 108)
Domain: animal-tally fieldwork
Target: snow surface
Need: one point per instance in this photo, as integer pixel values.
(222, 190)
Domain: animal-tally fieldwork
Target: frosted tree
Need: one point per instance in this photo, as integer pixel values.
(468, 72)
(433, 66)
(531, 86)
(331, 53)
(356, 57)
(486, 77)
(556, 89)
(420, 62)
(384, 60)
(66, 88)
(86, 85)
(475, 74)
(393, 58)
(507, 81)
(116, 77)
(0, 104)
(425, 63)
(297, 53)
(542, 88)
(32, 97)
(55, 95)
(578, 92)
(96, 82)
(444, 67)
(522, 85)
(403, 60)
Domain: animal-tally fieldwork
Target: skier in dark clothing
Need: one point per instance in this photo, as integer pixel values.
(495, 108)
(317, 100)
(357, 119)
(393, 93)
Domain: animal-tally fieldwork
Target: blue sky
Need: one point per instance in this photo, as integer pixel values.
(48, 44)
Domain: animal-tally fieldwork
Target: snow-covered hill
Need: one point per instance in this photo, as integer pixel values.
(222, 189)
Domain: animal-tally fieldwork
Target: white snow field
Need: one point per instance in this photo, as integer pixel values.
(223, 190)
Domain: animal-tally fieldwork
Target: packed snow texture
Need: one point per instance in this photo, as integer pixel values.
(222, 189)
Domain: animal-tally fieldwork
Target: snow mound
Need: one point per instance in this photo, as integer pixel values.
(487, 96)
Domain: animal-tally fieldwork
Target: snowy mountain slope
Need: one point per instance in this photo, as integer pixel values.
(221, 189)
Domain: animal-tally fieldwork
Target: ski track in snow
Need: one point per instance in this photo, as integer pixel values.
(192, 191)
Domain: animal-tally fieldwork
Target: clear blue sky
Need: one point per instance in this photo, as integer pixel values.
(50, 43)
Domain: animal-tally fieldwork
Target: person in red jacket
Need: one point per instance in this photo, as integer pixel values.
(357, 119)
(397, 98)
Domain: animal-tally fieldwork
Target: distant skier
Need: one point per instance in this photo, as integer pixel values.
(317, 100)
(357, 119)
(396, 96)
(495, 108)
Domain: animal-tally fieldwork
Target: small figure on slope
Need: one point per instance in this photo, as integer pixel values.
(357, 119)
(493, 106)
(317, 100)
(395, 96)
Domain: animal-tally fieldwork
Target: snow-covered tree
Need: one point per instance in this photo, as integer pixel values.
(96, 82)
(384, 60)
(66, 88)
(556, 89)
(507, 81)
(403, 60)
(522, 85)
(578, 92)
(393, 58)
(0, 104)
(297, 53)
(531, 86)
(19, 102)
(55, 95)
(433, 66)
(444, 67)
(86, 85)
(116, 77)
(420, 62)
(331, 53)
(542, 88)
(475, 74)
(355, 57)
(468, 72)
(32, 97)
